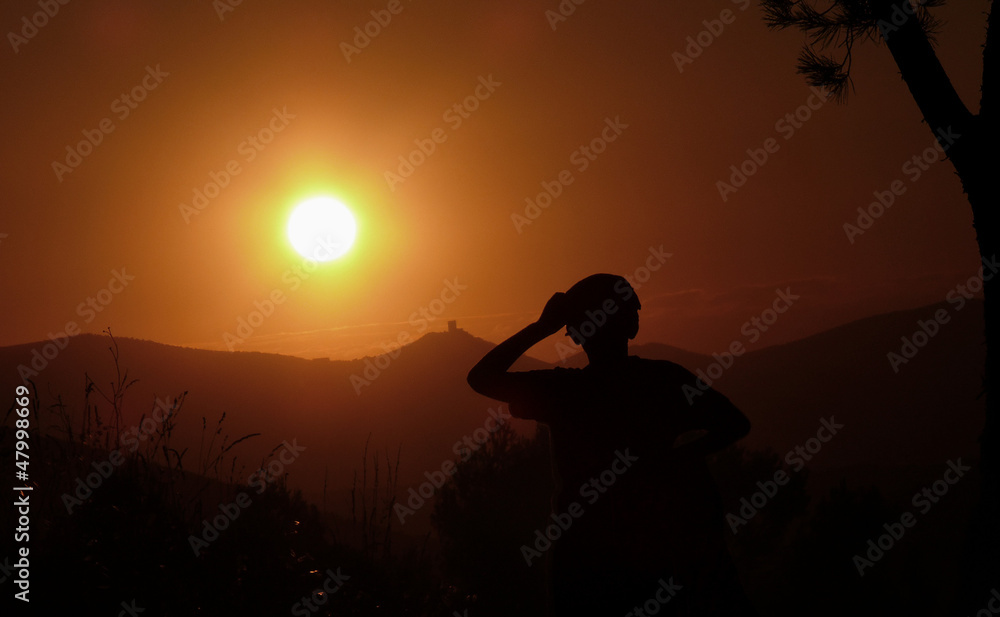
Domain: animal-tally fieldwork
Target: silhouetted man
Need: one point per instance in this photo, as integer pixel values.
(645, 525)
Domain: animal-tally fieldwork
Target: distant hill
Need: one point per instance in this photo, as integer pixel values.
(919, 417)
(420, 403)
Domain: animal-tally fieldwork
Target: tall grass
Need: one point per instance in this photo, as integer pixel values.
(130, 538)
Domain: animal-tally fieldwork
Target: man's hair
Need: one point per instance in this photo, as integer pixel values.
(607, 301)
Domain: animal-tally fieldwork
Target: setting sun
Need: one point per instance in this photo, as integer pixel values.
(321, 229)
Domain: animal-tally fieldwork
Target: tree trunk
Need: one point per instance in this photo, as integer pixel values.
(985, 534)
(982, 563)
(976, 158)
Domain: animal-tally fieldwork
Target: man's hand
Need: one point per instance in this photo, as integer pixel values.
(715, 423)
(490, 377)
(555, 314)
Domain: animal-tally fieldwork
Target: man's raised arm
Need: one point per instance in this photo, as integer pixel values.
(490, 375)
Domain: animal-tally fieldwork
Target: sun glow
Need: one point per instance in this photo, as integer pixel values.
(322, 229)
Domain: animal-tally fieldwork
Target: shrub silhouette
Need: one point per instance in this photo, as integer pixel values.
(491, 506)
(760, 546)
(129, 539)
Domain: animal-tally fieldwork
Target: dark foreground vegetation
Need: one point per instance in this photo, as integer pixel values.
(118, 522)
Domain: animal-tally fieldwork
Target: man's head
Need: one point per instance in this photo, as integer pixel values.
(602, 313)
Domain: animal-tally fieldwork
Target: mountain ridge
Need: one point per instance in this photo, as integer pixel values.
(415, 400)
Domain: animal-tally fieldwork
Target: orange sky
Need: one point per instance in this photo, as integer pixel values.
(211, 83)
